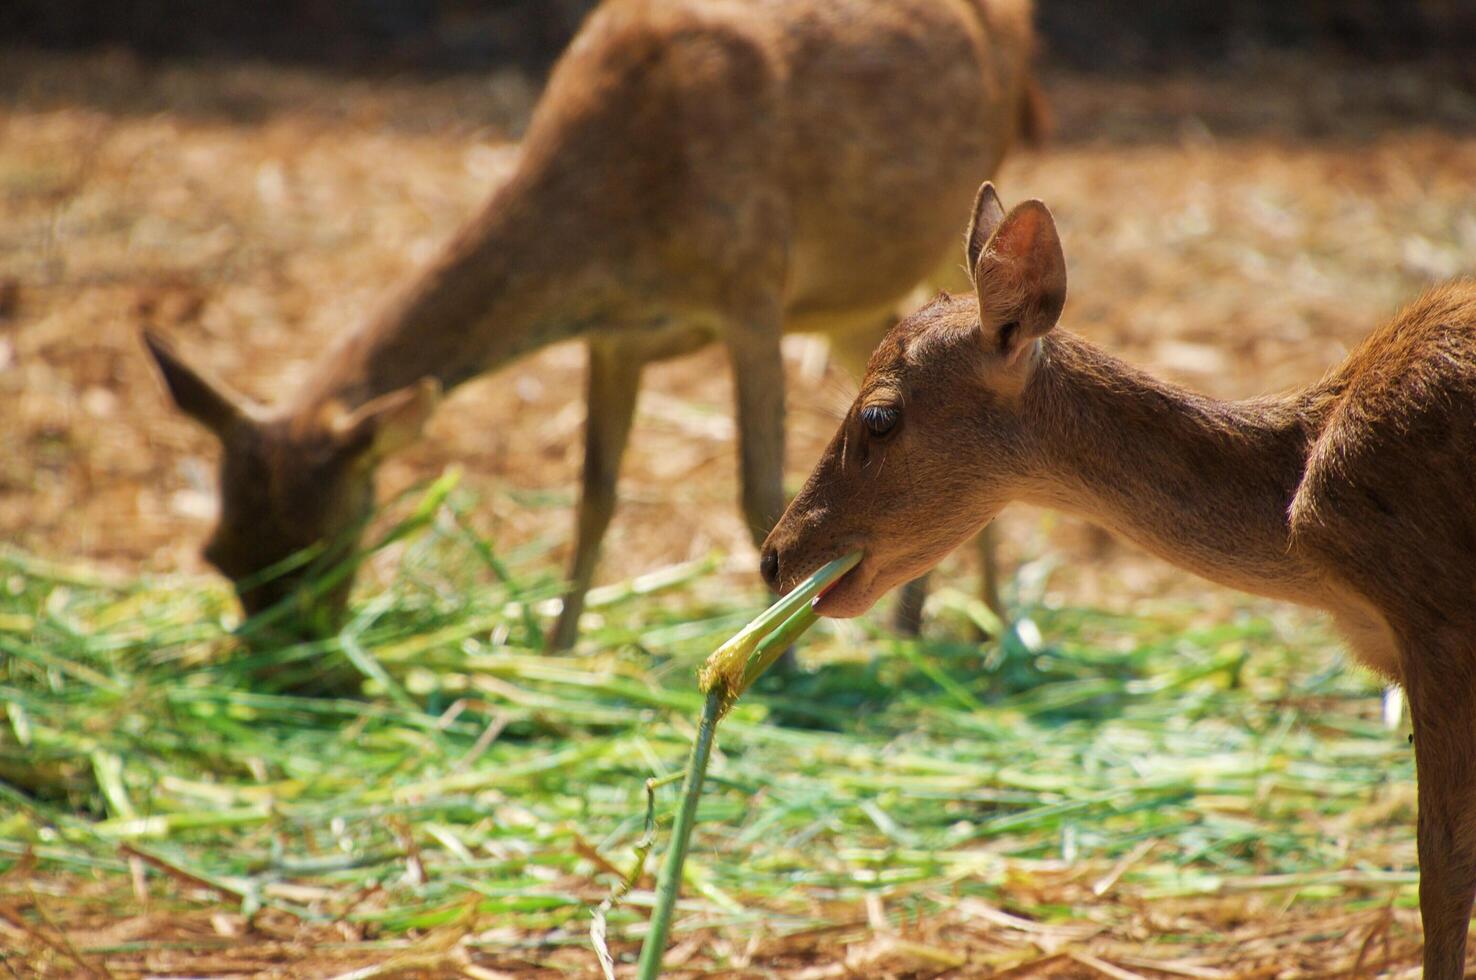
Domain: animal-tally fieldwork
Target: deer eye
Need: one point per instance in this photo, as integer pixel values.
(880, 420)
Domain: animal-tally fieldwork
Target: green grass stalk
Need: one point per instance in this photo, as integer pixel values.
(669, 881)
(747, 656)
(734, 665)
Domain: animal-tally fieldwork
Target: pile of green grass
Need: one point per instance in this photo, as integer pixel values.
(481, 782)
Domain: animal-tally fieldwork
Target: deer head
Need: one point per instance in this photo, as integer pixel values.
(292, 487)
(933, 447)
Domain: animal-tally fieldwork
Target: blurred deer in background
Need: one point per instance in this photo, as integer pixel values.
(1356, 495)
(694, 171)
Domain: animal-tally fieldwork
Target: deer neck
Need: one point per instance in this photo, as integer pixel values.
(1201, 483)
(510, 282)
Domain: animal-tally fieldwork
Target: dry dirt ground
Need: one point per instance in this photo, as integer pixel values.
(1252, 940)
(1238, 230)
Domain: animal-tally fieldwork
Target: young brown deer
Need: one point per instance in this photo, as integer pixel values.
(1356, 495)
(695, 171)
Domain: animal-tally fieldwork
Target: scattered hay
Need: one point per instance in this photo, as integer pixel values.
(1141, 796)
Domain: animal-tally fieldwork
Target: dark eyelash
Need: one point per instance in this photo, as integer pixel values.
(880, 419)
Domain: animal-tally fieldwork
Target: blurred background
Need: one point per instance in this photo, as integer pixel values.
(1243, 190)
(469, 35)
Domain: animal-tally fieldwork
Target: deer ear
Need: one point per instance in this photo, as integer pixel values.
(206, 401)
(987, 215)
(389, 423)
(1020, 279)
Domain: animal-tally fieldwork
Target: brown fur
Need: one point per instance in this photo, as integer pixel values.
(1356, 495)
(696, 170)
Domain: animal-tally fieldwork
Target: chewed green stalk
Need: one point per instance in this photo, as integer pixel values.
(669, 881)
(736, 663)
(772, 647)
(727, 674)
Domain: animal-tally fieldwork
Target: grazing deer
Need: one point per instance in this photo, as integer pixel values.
(696, 170)
(1356, 495)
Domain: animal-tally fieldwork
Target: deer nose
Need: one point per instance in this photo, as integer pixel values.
(769, 567)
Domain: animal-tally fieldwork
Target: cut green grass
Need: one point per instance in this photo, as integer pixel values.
(484, 787)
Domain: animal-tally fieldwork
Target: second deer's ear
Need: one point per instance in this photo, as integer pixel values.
(1020, 279)
(388, 423)
(205, 400)
(987, 215)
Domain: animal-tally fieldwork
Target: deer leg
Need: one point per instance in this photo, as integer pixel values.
(907, 617)
(614, 380)
(987, 544)
(1442, 704)
(758, 380)
(907, 614)
(758, 376)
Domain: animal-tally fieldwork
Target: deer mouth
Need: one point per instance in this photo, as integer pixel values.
(850, 595)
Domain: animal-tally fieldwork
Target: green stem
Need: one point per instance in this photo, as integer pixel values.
(727, 674)
(729, 666)
(668, 883)
(772, 647)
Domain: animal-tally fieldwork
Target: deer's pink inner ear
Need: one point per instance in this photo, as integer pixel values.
(1029, 235)
(1022, 273)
